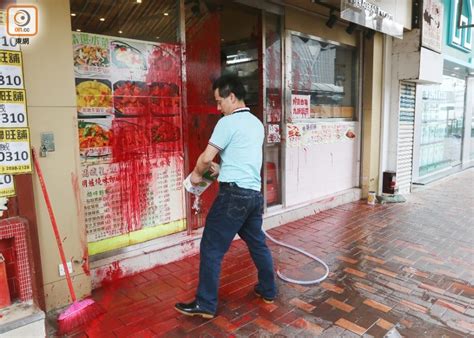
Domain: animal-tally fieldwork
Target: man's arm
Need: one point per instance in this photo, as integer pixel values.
(203, 163)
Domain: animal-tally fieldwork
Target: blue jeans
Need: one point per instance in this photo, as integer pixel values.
(235, 211)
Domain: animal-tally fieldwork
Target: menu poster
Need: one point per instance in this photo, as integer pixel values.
(163, 199)
(307, 134)
(300, 106)
(94, 97)
(129, 60)
(129, 108)
(91, 55)
(7, 186)
(121, 79)
(95, 140)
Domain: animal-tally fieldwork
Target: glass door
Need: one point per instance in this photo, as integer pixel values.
(273, 109)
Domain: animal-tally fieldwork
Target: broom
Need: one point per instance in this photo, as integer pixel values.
(79, 312)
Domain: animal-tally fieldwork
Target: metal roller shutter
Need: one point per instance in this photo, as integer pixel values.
(406, 127)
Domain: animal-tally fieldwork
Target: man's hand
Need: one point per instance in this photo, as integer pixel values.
(195, 178)
(214, 169)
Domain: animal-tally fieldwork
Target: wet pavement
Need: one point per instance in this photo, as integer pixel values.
(404, 268)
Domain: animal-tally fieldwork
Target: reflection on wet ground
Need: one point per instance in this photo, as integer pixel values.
(402, 268)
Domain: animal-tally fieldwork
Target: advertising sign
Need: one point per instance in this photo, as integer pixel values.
(308, 134)
(15, 155)
(432, 30)
(13, 108)
(7, 186)
(300, 106)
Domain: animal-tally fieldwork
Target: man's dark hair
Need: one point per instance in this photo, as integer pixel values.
(229, 84)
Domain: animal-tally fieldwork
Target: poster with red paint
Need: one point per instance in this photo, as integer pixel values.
(273, 133)
(129, 60)
(95, 139)
(93, 97)
(129, 104)
(91, 55)
(105, 211)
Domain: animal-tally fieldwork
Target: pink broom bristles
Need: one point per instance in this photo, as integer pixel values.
(77, 314)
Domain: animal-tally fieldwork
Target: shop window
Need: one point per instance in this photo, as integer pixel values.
(442, 118)
(323, 78)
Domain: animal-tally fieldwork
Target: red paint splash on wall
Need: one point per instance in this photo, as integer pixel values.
(110, 274)
(203, 66)
(146, 129)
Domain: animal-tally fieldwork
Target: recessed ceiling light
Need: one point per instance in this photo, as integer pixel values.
(453, 74)
(456, 68)
(139, 1)
(73, 14)
(157, 37)
(102, 19)
(120, 32)
(78, 30)
(165, 13)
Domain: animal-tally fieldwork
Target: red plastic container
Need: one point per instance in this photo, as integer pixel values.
(4, 291)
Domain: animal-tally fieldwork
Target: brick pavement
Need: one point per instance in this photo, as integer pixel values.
(406, 265)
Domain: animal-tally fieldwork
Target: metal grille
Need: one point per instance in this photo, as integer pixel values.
(406, 126)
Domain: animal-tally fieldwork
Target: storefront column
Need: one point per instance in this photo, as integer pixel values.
(372, 89)
(49, 81)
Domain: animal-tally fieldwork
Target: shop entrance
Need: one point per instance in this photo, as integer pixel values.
(220, 39)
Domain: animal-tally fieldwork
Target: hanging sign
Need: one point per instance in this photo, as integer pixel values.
(7, 186)
(300, 106)
(432, 28)
(15, 155)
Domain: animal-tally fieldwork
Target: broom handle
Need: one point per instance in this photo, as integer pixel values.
(54, 224)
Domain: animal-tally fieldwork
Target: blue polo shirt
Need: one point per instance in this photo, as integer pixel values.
(239, 137)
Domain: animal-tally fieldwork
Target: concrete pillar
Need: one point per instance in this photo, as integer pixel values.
(372, 89)
(50, 90)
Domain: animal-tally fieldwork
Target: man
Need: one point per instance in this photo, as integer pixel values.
(238, 138)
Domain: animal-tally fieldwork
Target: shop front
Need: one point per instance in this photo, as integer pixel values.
(146, 112)
(122, 111)
(444, 137)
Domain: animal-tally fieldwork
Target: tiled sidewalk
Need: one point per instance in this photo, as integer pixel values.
(408, 265)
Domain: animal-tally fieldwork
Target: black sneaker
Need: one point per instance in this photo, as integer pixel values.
(265, 299)
(193, 309)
